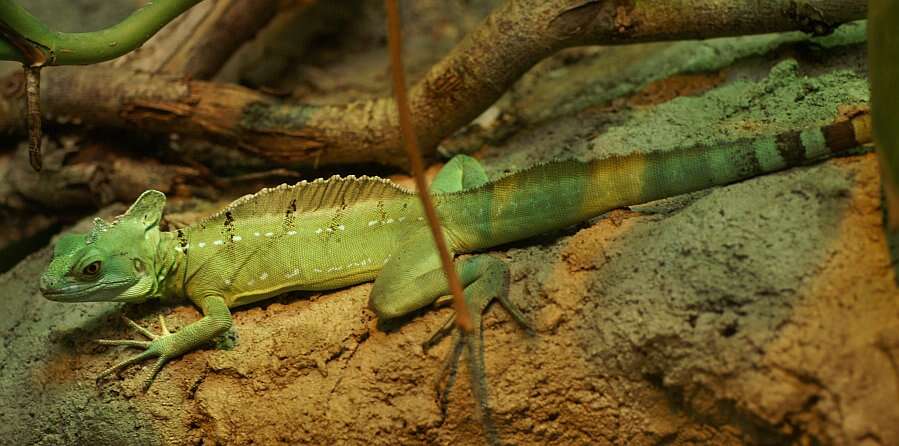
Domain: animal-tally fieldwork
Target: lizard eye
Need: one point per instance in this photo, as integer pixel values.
(91, 269)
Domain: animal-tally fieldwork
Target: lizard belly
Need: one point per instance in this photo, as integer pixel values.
(276, 289)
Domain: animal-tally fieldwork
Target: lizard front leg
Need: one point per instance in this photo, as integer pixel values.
(413, 279)
(167, 346)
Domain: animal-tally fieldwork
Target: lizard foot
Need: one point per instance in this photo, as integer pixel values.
(450, 322)
(157, 345)
(473, 343)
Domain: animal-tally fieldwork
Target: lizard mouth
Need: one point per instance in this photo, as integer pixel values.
(81, 292)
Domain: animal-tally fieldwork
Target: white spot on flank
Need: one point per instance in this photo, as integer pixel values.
(359, 263)
(201, 244)
(236, 238)
(263, 276)
(179, 249)
(401, 218)
(317, 270)
(269, 234)
(291, 232)
(373, 222)
(218, 242)
(227, 281)
(420, 218)
(341, 227)
(318, 231)
(257, 234)
(291, 274)
(389, 221)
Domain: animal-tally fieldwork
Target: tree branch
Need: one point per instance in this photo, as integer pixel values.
(198, 43)
(457, 89)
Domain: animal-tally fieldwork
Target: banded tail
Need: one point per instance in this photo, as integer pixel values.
(559, 194)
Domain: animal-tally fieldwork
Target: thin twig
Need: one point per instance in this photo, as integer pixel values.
(33, 105)
(33, 58)
(883, 72)
(410, 143)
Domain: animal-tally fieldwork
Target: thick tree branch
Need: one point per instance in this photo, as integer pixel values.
(475, 73)
(198, 43)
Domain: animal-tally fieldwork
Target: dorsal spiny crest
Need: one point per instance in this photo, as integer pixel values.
(308, 195)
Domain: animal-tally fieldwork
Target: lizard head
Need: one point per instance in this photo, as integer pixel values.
(113, 261)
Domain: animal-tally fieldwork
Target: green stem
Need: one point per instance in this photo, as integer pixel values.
(89, 47)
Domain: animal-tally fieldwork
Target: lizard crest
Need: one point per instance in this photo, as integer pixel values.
(113, 261)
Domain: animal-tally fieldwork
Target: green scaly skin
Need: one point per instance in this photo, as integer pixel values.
(342, 231)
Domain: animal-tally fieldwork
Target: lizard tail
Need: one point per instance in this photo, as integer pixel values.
(641, 178)
(559, 194)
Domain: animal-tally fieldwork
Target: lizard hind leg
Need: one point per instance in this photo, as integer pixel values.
(413, 279)
(490, 281)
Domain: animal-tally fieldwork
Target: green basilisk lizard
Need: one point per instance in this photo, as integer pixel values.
(337, 232)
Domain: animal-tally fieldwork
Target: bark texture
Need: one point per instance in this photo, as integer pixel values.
(198, 43)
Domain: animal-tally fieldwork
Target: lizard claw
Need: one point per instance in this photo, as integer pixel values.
(156, 346)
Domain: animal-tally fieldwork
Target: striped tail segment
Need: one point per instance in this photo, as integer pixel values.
(680, 171)
(559, 194)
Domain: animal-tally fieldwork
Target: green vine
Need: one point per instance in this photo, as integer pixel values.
(60, 48)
